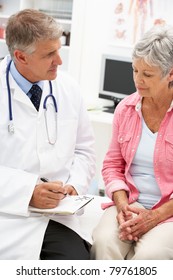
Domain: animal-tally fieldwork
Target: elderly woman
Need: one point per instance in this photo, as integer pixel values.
(138, 167)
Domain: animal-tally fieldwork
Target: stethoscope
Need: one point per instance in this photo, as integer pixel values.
(52, 137)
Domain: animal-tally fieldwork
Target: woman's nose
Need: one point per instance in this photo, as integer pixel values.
(138, 79)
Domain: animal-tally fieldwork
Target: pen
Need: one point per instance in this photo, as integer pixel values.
(45, 180)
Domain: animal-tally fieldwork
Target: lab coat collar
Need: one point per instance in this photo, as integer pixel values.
(16, 91)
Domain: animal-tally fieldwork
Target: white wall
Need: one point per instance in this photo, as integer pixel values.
(90, 38)
(91, 28)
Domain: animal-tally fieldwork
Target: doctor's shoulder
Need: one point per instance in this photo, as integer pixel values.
(3, 66)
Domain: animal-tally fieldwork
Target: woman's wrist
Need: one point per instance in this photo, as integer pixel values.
(121, 206)
(120, 199)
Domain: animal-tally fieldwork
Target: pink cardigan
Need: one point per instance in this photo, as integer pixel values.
(126, 132)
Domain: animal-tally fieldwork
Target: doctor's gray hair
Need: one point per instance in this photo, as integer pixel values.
(156, 48)
(29, 26)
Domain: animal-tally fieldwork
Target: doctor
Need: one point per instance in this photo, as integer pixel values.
(52, 139)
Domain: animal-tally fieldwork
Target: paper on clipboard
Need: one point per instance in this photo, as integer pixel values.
(67, 206)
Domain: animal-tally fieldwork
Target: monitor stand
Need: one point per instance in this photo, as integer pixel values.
(109, 109)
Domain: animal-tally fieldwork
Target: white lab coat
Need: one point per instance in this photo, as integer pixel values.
(26, 155)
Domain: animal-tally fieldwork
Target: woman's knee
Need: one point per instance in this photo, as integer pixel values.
(152, 253)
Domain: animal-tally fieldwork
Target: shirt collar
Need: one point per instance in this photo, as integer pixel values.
(171, 106)
(139, 104)
(23, 83)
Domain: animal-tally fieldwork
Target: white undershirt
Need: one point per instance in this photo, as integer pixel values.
(142, 169)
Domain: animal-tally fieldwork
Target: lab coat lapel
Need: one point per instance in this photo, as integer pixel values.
(17, 94)
(45, 92)
(15, 91)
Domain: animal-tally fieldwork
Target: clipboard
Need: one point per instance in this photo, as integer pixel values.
(70, 205)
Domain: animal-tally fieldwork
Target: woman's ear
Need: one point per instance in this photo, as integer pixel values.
(170, 79)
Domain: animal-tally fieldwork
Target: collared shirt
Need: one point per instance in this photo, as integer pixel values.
(127, 129)
(23, 83)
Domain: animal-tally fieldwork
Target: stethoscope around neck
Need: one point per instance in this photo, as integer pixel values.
(52, 137)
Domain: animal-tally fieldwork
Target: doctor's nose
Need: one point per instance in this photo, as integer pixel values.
(58, 59)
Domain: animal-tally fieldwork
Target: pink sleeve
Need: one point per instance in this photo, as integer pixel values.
(114, 164)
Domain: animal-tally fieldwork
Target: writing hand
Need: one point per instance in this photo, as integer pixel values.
(47, 195)
(70, 190)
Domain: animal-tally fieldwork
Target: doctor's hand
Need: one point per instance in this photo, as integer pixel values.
(48, 195)
(70, 190)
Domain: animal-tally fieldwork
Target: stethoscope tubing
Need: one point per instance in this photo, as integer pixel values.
(53, 98)
(50, 95)
(9, 92)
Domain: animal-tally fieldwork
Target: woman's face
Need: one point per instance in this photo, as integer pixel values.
(148, 79)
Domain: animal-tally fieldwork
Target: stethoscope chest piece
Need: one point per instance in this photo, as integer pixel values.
(11, 127)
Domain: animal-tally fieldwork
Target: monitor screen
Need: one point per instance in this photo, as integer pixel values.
(116, 80)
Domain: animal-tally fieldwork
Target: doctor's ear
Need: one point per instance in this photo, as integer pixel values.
(171, 75)
(20, 57)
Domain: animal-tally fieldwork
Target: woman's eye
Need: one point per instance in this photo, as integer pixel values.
(147, 75)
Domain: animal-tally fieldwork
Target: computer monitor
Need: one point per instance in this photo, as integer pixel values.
(116, 79)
